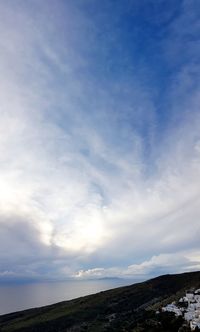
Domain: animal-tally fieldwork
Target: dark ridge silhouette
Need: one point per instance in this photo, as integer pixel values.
(130, 308)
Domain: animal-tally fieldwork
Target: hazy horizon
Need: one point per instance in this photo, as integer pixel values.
(17, 297)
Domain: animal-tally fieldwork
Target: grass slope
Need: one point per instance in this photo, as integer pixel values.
(120, 309)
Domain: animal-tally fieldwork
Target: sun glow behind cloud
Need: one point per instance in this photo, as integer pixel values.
(100, 162)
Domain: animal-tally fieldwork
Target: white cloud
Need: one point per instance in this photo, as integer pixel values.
(161, 264)
(76, 185)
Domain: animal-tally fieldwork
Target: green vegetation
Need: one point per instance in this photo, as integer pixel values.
(131, 308)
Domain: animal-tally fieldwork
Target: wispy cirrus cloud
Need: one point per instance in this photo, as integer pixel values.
(98, 168)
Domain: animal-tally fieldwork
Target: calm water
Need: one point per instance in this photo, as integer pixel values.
(20, 297)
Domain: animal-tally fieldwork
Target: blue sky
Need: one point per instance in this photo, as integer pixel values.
(99, 138)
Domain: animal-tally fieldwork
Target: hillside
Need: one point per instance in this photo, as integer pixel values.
(130, 308)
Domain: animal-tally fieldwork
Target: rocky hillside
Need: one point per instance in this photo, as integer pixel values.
(130, 308)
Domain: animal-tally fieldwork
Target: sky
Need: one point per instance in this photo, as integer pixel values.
(99, 138)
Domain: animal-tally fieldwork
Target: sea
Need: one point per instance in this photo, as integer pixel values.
(16, 297)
